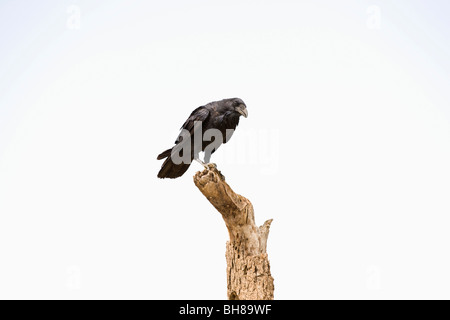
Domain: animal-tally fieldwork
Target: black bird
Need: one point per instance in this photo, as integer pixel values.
(221, 115)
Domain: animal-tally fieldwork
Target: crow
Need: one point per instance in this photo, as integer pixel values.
(223, 116)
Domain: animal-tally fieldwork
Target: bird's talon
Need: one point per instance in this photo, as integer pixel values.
(211, 166)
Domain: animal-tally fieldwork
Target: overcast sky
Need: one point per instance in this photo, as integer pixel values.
(346, 147)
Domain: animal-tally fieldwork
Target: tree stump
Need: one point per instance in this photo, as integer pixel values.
(248, 268)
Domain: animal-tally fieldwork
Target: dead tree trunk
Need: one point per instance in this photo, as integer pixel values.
(248, 268)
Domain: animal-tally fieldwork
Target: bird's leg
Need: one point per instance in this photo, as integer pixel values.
(207, 157)
(197, 158)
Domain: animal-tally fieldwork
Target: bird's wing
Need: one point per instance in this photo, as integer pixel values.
(199, 114)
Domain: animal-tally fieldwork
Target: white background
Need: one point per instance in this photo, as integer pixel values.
(347, 146)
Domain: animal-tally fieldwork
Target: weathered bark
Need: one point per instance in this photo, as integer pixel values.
(248, 268)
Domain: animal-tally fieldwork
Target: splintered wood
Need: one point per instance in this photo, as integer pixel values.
(248, 268)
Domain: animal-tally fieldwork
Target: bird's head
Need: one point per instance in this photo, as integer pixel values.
(238, 106)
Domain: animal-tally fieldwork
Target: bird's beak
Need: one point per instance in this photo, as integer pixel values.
(243, 110)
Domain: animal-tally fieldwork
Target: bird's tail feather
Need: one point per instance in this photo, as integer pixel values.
(165, 154)
(172, 170)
